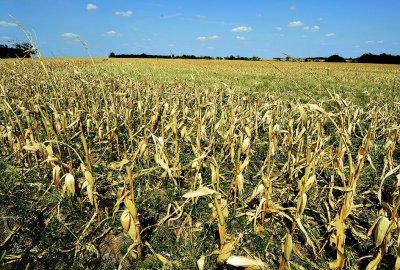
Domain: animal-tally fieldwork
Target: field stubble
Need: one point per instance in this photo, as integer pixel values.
(149, 164)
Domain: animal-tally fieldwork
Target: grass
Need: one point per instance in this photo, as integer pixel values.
(165, 140)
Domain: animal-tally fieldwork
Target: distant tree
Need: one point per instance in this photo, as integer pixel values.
(231, 57)
(379, 59)
(21, 50)
(27, 48)
(335, 58)
(112, 55)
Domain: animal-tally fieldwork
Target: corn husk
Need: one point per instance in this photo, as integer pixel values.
(69, 185)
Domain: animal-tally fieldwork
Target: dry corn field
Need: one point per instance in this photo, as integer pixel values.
(178, 164)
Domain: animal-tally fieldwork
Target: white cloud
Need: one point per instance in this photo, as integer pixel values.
(313, 28)
(296, 24)
(240, 38)
(242, 29)
(4, 38)
(112, 33)
(210, 47)
(278, 28)
(213, 37)
(70, 36)
(127, 13)
(375, 42)
(7, 24)
(330, 35)
(91, 6)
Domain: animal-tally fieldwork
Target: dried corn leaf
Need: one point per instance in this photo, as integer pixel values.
(118, 165)
(131, 207)
(303, 230)
(303, 114)
(257, 191)
(225, 252)
(203, 191)
(241, 261)
(201, 262)
(397, 264)
(163, 260)
(224, 208)
(89, 178)
(32, 148)
(373, 265)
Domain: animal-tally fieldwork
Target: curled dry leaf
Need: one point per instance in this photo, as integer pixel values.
(203, 191)
(32, 148)
(225, 252)
(241, 261)
(163, 259)
(118, 165)
(301, 204)
(89, 178)
(201, 262)
(257, 191)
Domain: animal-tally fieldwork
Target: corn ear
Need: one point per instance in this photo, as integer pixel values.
(380, 230)
(128, 224)
(245, 144)
(288, 247)
(69, 184)
(56, 175)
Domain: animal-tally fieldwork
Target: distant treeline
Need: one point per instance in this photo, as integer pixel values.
(365, 58)
(183, 56)
(379, 59)
(23, 50)
(368, 58)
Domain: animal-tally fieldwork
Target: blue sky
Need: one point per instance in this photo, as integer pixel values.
(265, 28)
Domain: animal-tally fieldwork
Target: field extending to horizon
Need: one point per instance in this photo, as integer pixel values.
(199, 164)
